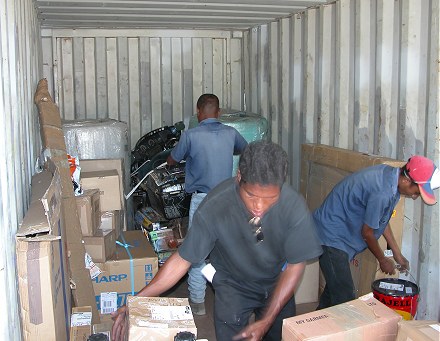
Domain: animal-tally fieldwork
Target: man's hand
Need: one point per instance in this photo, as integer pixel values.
(119, 325)
(403, 263)
(387, 266)
(253, 332)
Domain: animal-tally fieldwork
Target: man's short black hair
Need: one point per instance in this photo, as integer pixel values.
(208, 99)
(264, 163)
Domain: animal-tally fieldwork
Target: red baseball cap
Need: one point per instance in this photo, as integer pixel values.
(426, 175)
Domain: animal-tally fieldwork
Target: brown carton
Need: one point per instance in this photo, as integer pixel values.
(101, 246)
(158, 318)
(363, 319)
(127, 272)
(81, 323)
(43, 280)
(89, 211)
(418, 330)
(107, 181)
(109, 164)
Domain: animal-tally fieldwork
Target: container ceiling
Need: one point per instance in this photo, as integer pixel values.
(177, 14)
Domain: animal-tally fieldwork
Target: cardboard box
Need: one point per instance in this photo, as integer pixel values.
(107, 182)
(111, 220)
(81, 323)
(322, 167)
(109, 164)
(136, 264)
(418, 330)
(362, 319)
(101, 246)
(158, 318)
(43, 278)
(89, 211)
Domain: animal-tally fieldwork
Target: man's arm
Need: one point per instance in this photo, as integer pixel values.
(171, 161)
(168, 275)
(397, 254)
(386, 264)
(286, 286)
(240, 144)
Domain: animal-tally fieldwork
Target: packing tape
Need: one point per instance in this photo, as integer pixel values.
(34, 283)
(126, 247)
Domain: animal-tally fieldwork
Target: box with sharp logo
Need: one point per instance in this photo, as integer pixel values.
(132, 266)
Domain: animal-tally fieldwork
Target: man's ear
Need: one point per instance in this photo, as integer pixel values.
(238, 177)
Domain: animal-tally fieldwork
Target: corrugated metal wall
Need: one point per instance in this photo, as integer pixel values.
(20, 141)
(147, 78)
(361, 75)
(356, 74)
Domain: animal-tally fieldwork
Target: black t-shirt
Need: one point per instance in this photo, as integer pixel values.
(221, 229)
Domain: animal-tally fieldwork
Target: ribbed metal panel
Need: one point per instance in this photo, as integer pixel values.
(361, 75)
(145, 78)
(167, 14)
(19, 147)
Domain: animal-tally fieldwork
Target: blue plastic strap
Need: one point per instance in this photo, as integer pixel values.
(126, 246)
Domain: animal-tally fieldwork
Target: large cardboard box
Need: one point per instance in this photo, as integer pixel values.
(81, 323)
(322, 167)
(43, 279)
(89, 211)
(127, 272)
(364, 319)
(418, 330)
(107, 181)
(158, 318)
(101, 246)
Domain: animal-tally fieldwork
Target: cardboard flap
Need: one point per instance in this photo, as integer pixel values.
(45, 208)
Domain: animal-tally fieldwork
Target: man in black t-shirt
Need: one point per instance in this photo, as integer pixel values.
(259, 235)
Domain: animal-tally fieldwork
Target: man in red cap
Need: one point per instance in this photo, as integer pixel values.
(357, 212)
(425, 174)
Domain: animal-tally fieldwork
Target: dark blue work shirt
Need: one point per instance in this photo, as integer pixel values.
(368, 196)
(208, 150)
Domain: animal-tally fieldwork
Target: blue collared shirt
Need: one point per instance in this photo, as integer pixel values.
(208, 150)
(368, 196)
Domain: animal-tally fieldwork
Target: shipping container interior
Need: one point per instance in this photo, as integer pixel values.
(356, 74)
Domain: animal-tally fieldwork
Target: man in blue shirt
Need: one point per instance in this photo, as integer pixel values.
(208, 150)
(356, 213)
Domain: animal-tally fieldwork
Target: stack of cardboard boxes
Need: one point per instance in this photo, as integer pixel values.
(101, 197)
(122, 261)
